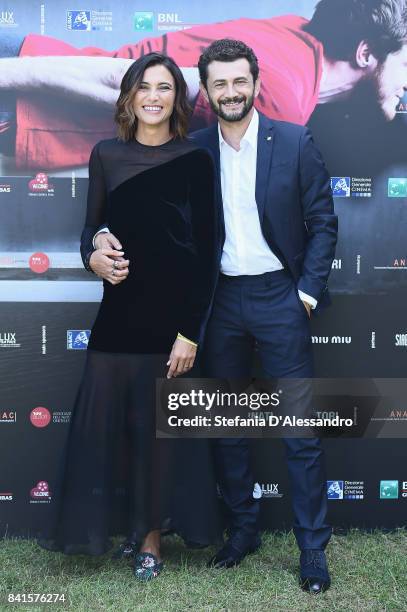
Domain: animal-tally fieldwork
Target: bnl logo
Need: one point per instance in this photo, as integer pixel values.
(144, 22)
(397, 188)
(77, 339)
(389, 489)
(340, 186)
(335, 489)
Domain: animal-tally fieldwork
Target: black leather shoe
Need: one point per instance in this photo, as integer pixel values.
(314, 575)
(234, 551)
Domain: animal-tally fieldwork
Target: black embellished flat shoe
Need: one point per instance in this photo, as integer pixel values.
(147, 567)
(127, 550)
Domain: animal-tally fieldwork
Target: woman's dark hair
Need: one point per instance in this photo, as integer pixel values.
(342, 25)
(227, 50)
(125, 117)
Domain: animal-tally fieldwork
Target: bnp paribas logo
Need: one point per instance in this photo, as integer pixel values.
(397, 188)
(389, 489)
(144, 21)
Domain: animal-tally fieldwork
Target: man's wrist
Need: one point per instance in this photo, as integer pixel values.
(312, 302)
(86, 261)
(104, 230)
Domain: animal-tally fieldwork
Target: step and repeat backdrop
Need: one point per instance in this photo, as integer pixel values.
(60, 69)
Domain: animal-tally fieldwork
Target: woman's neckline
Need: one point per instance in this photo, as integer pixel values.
(146, 146)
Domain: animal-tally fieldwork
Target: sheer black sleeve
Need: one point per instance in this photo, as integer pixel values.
(96, 205)
(203, 221)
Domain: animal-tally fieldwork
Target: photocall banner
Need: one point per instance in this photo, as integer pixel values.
(61, 65)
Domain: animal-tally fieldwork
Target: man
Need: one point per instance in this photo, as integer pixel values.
(303, 63)
(276, 250)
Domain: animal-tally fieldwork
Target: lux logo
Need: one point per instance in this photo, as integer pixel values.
(270, 488)
(7, 17)
(7, 338)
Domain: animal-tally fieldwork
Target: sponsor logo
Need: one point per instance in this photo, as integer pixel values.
(257, 492)
(267, 491)
(171, 22)
(8, 340)
(78, 20)
(40, 417)
(389, 489)
(373, 340)
(353, 489)
(43, 339)
(39, 186)
(355, 187)
(168, 18)
(397, 415)
(40, 494)
(5, 188)
(345, 489)
(7, 261)
(6, 496)
(404, 489)
(397, 188)
(335, 489)
(395, 264)
(77, 339)
(400, 263)
(61, 417)
(340, 186)
(7, 19)
(361, 187)
(8, 416)
(401, 107)
(85, 21)
(331, 339)
(400, 340)
(144, 21)
(39, 263)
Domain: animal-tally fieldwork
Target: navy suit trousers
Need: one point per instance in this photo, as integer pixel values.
(265, 310)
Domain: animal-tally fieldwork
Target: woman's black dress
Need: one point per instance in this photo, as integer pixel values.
(116, 477)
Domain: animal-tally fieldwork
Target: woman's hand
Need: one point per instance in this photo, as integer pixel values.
(181, 359)
(110, 265)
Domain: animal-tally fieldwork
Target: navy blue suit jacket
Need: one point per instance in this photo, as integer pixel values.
(294, 201)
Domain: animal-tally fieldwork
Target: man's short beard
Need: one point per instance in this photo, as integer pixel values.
(369, 95)
(248, 105)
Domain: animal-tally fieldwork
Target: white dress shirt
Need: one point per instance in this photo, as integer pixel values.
(245, 250)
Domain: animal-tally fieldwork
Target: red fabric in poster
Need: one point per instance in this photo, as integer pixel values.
(51, 134)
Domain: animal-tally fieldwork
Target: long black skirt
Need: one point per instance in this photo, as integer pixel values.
(116, 478)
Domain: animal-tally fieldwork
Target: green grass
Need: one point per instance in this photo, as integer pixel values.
(369, 572)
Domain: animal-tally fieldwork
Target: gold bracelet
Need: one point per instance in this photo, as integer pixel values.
(181, 337)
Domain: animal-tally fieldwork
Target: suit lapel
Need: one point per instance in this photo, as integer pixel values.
(265, 140)
(213, 143)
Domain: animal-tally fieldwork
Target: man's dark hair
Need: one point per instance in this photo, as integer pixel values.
(227, 50)
(341, 25)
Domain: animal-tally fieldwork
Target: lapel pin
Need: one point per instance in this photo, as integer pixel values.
(268, 137)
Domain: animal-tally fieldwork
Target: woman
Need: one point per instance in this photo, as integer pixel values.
(154, 189)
